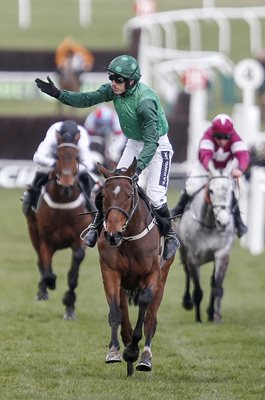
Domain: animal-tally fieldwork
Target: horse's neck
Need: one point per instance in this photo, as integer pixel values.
(140, 219)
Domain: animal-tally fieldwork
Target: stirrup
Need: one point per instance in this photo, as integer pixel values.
(170, 247)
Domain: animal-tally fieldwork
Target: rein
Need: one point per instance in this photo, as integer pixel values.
(129, 215)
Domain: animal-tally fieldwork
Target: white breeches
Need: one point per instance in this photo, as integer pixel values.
(155, 177)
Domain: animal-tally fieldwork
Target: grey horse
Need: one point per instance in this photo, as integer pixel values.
(206, 232)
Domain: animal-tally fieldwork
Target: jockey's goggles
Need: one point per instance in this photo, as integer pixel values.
(117, 78)
(220, 136)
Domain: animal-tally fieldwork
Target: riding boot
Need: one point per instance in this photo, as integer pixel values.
(31, 196)
(86, 183)
(171, 241)
(94, 230)
(179, 208)
(241, 228)
(95, 227)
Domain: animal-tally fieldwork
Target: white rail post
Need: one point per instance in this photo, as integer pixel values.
(249, 75)
(85, 12)
(256, 211)
(24, 13)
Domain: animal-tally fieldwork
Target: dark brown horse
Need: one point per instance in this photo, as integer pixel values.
(129, 249)
(56, 225)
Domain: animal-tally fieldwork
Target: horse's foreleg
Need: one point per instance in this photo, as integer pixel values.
(115, 319)
(42, 293)
(126, 327)
(112, 287)
(150, 323)
(187, 302)
(131, 352)
(214, 309)
(69, 297)
(197, 291)
(49, 278)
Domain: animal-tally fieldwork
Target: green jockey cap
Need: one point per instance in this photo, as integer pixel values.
(125, 66)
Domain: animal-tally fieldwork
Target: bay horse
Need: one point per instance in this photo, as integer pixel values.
(131, 267)
(56, 224)
(206, 231)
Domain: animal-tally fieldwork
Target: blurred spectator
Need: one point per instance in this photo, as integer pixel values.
(72, 59)
(104, 129)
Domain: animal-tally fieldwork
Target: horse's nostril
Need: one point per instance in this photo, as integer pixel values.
(113, 239)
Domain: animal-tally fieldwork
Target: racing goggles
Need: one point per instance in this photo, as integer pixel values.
(220, 136)
(117, 78)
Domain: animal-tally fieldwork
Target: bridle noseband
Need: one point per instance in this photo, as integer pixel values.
(134, 204)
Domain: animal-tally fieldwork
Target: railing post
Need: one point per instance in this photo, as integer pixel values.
(24, 13)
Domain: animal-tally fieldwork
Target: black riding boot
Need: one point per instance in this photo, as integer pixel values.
(171, 241)
(181, 204)
(241, 228)
(95, 227)
(86, 183)
(31, 196)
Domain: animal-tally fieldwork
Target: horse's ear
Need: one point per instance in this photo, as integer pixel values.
(132, 168)
(104, 171)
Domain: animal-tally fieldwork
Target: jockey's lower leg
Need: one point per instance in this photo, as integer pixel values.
(171, 241)
(95, 227)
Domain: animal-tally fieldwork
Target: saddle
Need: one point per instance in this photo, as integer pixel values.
(163, 223)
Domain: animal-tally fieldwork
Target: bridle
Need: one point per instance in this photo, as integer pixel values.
(209, 201)
(65, 171)
(134, 204)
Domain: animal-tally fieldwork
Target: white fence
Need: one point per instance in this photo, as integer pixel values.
(159, 39)
(24, 13)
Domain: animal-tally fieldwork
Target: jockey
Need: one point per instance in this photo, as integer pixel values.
(144, 123)
(220, 143)
(104, 122)
(44, 157)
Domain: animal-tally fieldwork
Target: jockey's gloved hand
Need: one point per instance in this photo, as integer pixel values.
(48, 87)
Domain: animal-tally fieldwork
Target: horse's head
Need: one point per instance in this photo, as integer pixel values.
(220, 191)
(120, 200)
(66, 167)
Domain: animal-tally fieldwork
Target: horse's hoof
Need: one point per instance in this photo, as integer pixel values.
(144, 366)
(42, 296)
(113, 357)
(187, 303)
(217, 319)
(131, 353)
(145, 362)
(69, 315)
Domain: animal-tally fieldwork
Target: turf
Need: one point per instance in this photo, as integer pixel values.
(45, 357)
